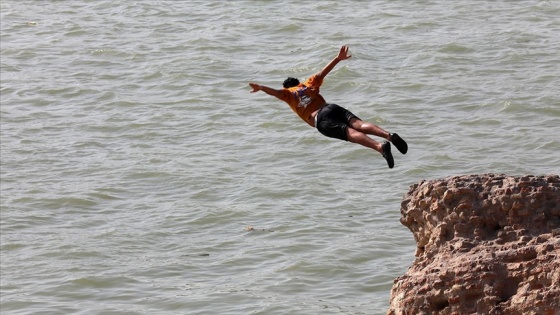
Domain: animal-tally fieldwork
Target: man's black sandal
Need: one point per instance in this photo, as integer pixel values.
(399, 143)
(387, 154)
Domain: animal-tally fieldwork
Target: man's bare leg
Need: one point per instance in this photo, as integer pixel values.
(369, 128)
(372, 129)
(359, 137)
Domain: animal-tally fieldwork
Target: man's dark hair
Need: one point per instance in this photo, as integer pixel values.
(290, 82)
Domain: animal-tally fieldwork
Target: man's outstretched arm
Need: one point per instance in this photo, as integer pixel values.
(342, 55)
(270, 91)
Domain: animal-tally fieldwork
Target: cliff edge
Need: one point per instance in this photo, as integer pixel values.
(486, 244)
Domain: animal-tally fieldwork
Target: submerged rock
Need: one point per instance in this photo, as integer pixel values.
(486, 244)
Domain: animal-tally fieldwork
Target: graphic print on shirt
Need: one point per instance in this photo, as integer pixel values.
(304, 99)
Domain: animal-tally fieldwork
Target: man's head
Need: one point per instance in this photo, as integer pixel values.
(290, 82)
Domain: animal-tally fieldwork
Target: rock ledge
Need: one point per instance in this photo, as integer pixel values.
(486, 244)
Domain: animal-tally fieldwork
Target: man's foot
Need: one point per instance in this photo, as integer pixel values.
(399, 143)
(387, 154)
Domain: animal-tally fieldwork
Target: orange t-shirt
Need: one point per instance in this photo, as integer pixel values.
(304, 99)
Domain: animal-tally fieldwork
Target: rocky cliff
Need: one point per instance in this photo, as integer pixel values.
(486, 244)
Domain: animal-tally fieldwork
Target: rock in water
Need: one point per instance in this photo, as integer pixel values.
(486, 244)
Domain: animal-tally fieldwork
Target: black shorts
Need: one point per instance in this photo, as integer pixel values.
(333, 121)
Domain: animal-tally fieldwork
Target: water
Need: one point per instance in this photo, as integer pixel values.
(134, 159)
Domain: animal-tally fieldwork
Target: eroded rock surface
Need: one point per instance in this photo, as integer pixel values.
(486, 244)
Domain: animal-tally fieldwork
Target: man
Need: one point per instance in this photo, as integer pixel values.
(330, 119)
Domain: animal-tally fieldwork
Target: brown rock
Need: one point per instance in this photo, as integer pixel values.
(486, 244)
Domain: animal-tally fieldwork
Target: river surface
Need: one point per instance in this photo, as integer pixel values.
(140, 176)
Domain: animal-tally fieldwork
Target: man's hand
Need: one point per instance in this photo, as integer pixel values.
(255, 87)
(343, 53)
(270, 91)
